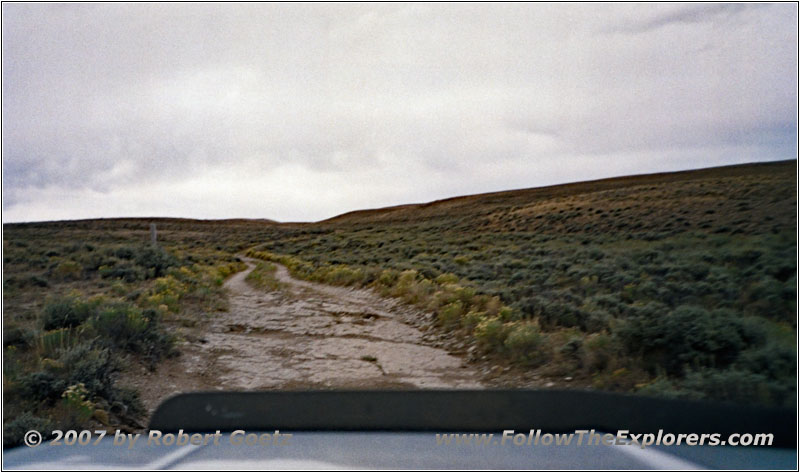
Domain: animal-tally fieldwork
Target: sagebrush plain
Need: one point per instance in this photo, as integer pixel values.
(678, 285)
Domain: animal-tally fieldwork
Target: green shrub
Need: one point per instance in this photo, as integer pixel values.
(41, 386)
(739, 386)
(686, 337)
(491, 333)
(65, 312)
(472, 318)
(91, 366)
(417, 292)
(155, 260)
(133, 263)
(489, 304)
(388, 277)
(344, 276)
(465, 295)
(597, 321)
(18, 336)
(443, 296)
(404, 282)
(450, 315)
(127, 272)
(768, 297)
(773, 361)
(663, 387)
(167, 291)
(573, 348)
(129, 402)
(524, 342)
(82, 365)
(15, 429)
(447, 278)
(506, 314)
(226, 270)
(624, 378)
(125, 252)
(599, 350)
(121, 325)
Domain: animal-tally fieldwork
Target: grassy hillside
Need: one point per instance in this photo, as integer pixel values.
(678, 284)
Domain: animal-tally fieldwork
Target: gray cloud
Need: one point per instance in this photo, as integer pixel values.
(301, 111)
(679, 14)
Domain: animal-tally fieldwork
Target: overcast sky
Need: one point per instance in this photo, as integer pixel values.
(299, 112)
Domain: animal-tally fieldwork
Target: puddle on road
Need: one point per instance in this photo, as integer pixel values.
(311, 335)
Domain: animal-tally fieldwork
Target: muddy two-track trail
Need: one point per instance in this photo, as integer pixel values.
(314, 336)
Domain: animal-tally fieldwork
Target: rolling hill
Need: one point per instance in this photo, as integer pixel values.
(677, 284)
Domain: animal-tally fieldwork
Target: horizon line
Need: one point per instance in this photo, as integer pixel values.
(411, 204)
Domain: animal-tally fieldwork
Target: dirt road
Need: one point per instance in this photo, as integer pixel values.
(318, 336)
(308, 335)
